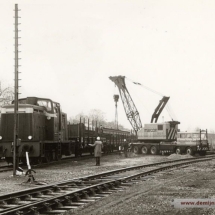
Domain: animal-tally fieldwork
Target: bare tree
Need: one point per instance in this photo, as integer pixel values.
(211, 131)
(197, 129)
(95, 117)
(76, 119)
(113, 125)
(6, 95)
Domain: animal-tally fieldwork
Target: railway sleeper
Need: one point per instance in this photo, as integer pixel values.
(88, 200)
(9, 206)
(117, 189)
(77, 203)
(55, 212)
(127, 184)
(101, 195)
(66, 207)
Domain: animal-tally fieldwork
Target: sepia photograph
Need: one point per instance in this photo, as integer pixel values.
(107, 107)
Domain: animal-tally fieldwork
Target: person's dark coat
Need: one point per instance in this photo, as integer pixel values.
(98, 148)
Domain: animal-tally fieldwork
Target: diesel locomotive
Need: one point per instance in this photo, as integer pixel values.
(44, 133)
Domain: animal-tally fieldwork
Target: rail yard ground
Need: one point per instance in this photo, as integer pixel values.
(152, 196)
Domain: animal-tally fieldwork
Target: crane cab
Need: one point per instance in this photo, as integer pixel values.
(157, 132)
(155, 138)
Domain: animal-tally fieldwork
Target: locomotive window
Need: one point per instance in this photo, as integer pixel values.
(49, 106)
(160, 127)
(45, 103)
(55, 107)
(42, 103)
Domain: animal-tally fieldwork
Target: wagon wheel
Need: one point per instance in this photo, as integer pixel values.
(23, 160)
(69, 152)
(47, 157)
(39, 160)
(91, 151)
(136, 149)
(58, 156)
(144, 150)
(178, 151)
(153, 150)
(189, 151)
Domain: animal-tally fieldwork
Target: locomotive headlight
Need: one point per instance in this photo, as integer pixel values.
(29, 137)
(0, 137)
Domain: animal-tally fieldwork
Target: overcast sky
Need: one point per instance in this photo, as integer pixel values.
(70, 48)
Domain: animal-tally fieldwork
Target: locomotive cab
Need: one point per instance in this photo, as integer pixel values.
(40, 124)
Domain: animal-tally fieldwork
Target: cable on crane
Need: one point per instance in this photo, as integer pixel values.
(169, 110)
(137, 83)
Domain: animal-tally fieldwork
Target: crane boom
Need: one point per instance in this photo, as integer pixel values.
(159, 108)
(128, 104)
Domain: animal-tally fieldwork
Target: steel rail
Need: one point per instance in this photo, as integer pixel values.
(109, 183)
(30, 191)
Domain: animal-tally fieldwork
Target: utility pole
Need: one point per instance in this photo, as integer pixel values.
(116, 98)
(16, 93)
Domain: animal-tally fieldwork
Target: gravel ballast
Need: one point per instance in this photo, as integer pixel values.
(152, 196)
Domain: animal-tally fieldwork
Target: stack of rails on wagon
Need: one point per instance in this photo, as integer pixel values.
(43, 132)
(82, 135)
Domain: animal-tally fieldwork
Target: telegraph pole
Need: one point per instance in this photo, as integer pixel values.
(16, 93)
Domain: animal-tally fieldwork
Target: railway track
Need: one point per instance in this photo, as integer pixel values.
(71, 194)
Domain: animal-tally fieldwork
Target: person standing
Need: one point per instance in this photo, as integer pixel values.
(125, 144)
(97, 150)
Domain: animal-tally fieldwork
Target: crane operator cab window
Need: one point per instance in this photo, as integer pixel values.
(160, 127)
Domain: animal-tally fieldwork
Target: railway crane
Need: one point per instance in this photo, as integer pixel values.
(153, 137)
(157, 137)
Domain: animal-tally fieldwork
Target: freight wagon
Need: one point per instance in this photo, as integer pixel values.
(211, 141)
(192, 142)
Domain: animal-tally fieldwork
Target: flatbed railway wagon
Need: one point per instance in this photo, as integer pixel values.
(192, 142)
(82, 135)
(211, 141)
